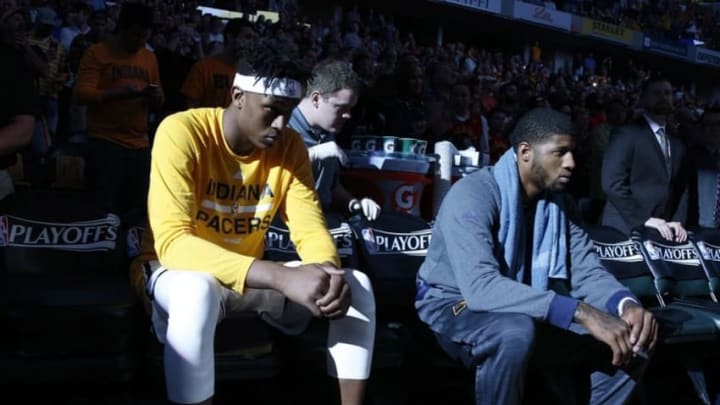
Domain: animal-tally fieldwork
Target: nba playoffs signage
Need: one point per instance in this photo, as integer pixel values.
(541, 15)
(80, 236)
(380, 242)
(490, 6)
(707, 57)
(611, 32)
(684, 254)
(278, 240)
(620, 252)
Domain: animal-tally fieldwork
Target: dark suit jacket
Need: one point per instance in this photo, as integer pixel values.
(702, 186)
(636, 181)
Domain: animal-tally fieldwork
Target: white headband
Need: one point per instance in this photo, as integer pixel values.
(269, 87)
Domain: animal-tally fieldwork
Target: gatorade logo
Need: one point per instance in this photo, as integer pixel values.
(389, 145)
(404, 197)
(356, 144)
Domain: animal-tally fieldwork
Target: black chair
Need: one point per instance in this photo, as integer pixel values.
(391, 250)
(684, 286)
(685, 332)
(707, 244)
(621, 256)
(69, 312)
(682, 278)
(654, 285)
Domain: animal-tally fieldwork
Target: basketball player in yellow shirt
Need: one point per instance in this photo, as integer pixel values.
(218, 177)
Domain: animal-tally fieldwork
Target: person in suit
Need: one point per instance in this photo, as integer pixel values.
(643, 174)
(704, 197)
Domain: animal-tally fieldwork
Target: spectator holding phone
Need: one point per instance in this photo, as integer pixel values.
(118, 80)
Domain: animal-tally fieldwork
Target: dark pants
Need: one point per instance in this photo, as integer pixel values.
(120, 177)
(501, 347)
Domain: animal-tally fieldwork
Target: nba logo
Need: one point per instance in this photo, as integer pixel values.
(369, 238)
(704, 251)
(3, 231)
(652, 250)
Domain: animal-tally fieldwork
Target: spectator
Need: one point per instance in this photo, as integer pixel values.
(469, 63)
(642, 170)
(489, 294)
(704, 206)
(509, 100)
(120, 75)
(579, 185)
(209, 81)
(77, 23)
(329, 99)
(437, 98)
(467, 129)
(52, 83)
(17, 107)
(13, 22)
(351, 38)
(500, 123)
(404, 110)
(208, 244)
(216, 32)
(616, 113)
(101, 28)
(536, 52)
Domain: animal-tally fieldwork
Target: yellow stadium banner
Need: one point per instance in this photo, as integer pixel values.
(608, 31)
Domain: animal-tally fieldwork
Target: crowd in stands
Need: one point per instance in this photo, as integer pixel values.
(688, 21)
(457, 91)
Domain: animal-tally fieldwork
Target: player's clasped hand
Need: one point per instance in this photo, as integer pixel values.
(336, 301)
(644, 327)
(309, 284)
(609, 329)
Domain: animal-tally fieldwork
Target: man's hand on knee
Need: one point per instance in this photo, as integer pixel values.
(307, 284)
(609, 329)
(337, 300)
(644, 327)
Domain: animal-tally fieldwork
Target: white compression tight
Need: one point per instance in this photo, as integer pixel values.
(187, 307)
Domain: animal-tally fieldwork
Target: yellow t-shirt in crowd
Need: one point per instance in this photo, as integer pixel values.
(105, 66)
(209, 209)
(209, 82)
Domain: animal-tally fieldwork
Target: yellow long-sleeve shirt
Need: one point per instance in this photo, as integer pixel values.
(209, 209)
